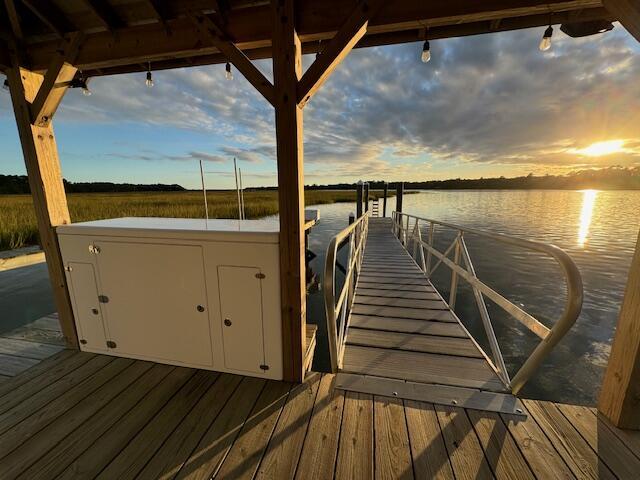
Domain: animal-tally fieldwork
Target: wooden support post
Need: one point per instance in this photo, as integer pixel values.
(366, 197)
(399, 193)
(287, 69)
(359, 188)
(384, 199)
(620, 394)
(45, 180)
(628, 13)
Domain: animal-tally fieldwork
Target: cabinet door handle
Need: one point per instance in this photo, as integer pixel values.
(227, 322)
(200, 308)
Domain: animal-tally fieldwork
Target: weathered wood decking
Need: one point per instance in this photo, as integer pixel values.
(79, 415)
(400, 328)
(26, 346)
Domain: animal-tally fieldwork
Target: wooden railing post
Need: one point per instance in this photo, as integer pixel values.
(45, 181)
(620, 394)
(287, 70)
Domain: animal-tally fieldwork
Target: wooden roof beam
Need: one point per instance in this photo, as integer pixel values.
(336, 50)
(628, 13)
(150, 42)
(14, 19)
(208, 27)
(159, 12)
(50, 15)
(105, 13)
(55, 83)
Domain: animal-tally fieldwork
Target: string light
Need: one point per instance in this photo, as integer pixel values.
(426, 52)
(545, 43)
(149, 81)
(227, 72)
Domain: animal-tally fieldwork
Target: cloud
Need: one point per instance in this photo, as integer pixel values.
(488, 100)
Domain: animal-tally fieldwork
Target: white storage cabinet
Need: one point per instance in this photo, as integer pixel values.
(188, 292)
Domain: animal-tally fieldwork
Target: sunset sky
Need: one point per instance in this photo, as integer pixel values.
(487, 105)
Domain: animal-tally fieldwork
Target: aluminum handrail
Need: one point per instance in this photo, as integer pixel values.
(337, 313)
(550, 337)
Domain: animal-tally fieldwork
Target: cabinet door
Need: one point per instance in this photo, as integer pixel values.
(155, 301)
(86, 307)
(241, 313)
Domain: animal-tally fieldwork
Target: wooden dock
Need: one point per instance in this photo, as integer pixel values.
(80, 415)
(26, 346)
(403, 338)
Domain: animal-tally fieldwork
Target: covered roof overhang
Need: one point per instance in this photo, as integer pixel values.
(123, 36)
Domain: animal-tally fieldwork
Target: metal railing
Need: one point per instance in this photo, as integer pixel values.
(411, 236)
(337, 313)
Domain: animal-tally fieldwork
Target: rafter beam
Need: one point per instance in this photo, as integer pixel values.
(54, 84)
(105, 13)
(159, 12)
(628, 13)
(217, 36)
(395, 22)
(337, 49)
(50, 15)
(14, 19)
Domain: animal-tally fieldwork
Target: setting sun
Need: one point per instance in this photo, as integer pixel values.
(599, 149)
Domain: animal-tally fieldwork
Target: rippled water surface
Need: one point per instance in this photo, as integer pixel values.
(597, 228)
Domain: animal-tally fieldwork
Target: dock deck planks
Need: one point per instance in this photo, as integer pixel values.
(401, 328)
(158, 421)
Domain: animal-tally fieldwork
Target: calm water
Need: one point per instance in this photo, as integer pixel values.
(598, 229)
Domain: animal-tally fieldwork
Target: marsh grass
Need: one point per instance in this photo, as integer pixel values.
(18, 226)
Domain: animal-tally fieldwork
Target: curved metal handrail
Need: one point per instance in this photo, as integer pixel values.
(550, 337)
(357, 234)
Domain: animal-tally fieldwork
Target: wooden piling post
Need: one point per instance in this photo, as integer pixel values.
(44, 173)
(287, 70)
(359, 188)
(399, 193)
(366, 196)
(384, 199)
(620, 393)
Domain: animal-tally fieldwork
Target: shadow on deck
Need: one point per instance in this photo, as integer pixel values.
(80, 415)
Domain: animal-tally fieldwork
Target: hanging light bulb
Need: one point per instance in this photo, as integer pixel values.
(545, 43)
(227, 72)
(426, 52)
(149, 81)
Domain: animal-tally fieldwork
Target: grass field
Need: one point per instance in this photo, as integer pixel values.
(18, 223)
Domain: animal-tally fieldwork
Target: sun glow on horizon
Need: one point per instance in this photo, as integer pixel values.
(588, 202)
(600, 149)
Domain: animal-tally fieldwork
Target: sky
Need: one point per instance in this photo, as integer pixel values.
(484, 106)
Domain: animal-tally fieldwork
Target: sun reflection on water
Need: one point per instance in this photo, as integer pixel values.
(588, 202)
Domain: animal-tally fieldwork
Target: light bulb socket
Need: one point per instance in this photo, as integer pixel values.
(426, 47)
(548, 33)
(227, 67)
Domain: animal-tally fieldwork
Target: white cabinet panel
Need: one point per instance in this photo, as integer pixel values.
(156, 305)
(86, 306)
(241, 314)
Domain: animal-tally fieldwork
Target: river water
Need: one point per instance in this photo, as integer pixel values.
(597, 228)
